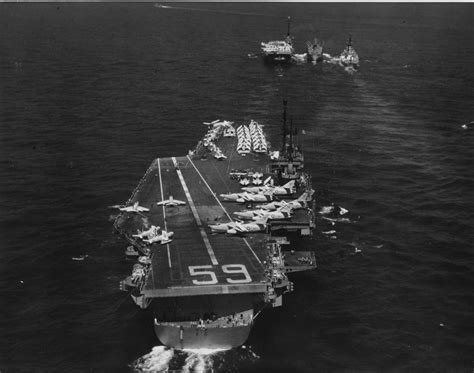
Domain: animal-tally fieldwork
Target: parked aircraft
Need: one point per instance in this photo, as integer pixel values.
(237, 227)
(153, 231)
(171, 202)
(222, 227)
(281, 213)
(134, 208)
(287, 189)
(298, 203)
(256, 226)
(218, 123)
(163, 238)
(219, 156)
(247, 197)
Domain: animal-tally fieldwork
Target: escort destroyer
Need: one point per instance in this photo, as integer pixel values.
(314, 51)
(211, 232)
(349, 57)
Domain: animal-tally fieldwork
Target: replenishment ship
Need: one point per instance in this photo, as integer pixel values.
(349, 57)
(279, 50)
(211, 234)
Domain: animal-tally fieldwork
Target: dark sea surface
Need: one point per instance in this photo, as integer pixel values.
(91, 93)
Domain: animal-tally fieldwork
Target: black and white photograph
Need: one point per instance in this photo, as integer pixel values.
(236, 187)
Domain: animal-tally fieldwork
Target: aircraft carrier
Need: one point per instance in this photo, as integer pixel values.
(206, 289)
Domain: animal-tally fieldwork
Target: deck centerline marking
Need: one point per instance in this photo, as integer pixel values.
(225, 211)
(164, 212)
(195, 214)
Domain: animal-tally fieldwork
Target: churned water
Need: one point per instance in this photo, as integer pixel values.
(91, 93)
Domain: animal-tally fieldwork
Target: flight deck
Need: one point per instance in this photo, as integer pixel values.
(196, 261)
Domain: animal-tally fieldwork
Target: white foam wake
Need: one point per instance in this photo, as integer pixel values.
(156, 361)
(164, 359)
(326, 210)
(198, 363)
(340, 220)
(342, 210)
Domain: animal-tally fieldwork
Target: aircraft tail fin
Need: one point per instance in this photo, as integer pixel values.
(303, 197)
(290, 184)
(287, 208)
(261, 220)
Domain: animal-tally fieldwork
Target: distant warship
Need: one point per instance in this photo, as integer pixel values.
(278, 50)
(349, 57)
(314, 51)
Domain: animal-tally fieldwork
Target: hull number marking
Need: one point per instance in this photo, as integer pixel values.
(208, 276)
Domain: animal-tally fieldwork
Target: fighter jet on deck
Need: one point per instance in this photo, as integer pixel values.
(280, 213)
(222, 227)
(287, 189)
(247, 197)
(134, 208)
(256, 226)
(237, 227)
(171, 202)
(295, 204)
(164, 237)
(153, 231)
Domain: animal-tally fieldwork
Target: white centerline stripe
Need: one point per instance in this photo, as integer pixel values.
(225, 211)
(195, 214)
(164, 213)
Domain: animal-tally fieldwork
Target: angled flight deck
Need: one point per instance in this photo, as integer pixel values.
(197, 262)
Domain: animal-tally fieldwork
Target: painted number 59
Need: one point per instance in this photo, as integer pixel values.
(203, 271)
(208, 277)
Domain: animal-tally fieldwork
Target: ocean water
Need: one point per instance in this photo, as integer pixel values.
(91, 93)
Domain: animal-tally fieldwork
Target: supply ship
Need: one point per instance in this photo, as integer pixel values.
(211, 234)
(278, 50)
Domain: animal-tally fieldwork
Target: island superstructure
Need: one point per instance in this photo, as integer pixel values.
(227, 212)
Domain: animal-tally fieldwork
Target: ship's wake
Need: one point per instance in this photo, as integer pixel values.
(155, 361)
(198, 362)
(327, 58)
(165, 359)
